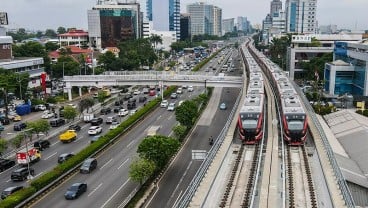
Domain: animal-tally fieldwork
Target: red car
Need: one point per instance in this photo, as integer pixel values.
(152, 93)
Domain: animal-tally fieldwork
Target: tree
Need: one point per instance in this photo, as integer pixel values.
(155, 40)
(278, 50)
(70, 112)
(66, 65)
(158, 149)
(39, 126)
(179, 131)
(29, 49)
(61, 30)
(186, 113)
(141, 169)
(316, 64)
(107, 60)
(51, 46)
(101, 96)
(3, 145)
(50, 33)
(17, 141)
(86, 104)
(135, 53)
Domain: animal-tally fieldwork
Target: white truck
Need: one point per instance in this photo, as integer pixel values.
(88, 117)
(152, 131)
(33, 155)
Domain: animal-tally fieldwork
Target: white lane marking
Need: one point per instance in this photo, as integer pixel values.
(84, 126)
(123, 163)
(181, 180)
(50, 156)
(115, 193)
(8, 180)
(106, 163)
(171, 133)
(95, 189)
(38, 174)
(55, 143)
(176, 201)
(132, 142)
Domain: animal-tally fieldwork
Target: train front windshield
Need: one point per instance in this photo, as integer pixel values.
(249, 120)
(295, 122)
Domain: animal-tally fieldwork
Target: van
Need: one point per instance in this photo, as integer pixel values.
(88, 165)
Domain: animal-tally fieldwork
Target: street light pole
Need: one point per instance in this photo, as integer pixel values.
(63, 70)
(28, 156)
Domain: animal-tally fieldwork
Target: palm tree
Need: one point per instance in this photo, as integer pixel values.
(155, 40)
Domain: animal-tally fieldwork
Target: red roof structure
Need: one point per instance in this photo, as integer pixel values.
(74, 33)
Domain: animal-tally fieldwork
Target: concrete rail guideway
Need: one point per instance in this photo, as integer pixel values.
(113, 78)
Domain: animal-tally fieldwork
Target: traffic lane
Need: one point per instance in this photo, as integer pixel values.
(179, 175)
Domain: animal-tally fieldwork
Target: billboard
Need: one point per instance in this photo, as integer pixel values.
(301, 39)
(3, 18)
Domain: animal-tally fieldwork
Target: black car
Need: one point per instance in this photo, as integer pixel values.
(19, 126)
(88, 165)
(10, 190)
(105, 110)
(57, 122)
(21, 174)
(119, 102)
(5, 164)
(131, 106)
(41, 144)
(65, 156)
(128, 96)
(75, 127)
(132, 100)
(116, 110)
(142, 99)
(96, 121)
(5, 121)
(75, 190)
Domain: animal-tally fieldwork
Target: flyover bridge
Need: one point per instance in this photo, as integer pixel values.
(114, 78)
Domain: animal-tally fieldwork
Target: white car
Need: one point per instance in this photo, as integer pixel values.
(171, 107)
(114, 125)
(190, 89)
(180, 102)
(164, 104)
(123, 112)
(132, 111)
(179, 90)
(72, 105)
(47, 114)
(136, 92)
(41, 107)
(94, 130)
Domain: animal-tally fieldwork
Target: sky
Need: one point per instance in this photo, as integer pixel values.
(50, 14)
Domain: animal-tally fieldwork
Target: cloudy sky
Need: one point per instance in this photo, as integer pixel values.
(44, 14)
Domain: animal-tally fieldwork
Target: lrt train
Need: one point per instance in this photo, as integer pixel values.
(293, 116)
(250, 121)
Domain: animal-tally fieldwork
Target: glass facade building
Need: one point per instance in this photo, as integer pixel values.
(205, 19)
(301, 16)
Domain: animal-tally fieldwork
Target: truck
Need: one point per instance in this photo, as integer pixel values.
(88, 117)
(107, 92)
(152, 131)
(33, 155)
(68, 136)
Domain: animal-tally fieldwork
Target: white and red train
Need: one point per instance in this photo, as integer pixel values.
(294, 118)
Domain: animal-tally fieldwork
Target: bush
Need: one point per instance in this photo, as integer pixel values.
(16, 198)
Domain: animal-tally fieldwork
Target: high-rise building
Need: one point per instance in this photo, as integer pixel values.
(165, 15)
(243, 24)
(228, 25)
(301, 16)
(276, 6)
(184, 27)
(205, 19)
(112, 22)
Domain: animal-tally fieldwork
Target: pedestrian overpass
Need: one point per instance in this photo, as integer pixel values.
(115, 78)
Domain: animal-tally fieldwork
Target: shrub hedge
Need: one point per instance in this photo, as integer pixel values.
(59, 170)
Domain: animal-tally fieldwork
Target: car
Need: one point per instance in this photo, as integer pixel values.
(180, 102)
(184, 86)
(88, 165)
(72, 105)
(114, 125)
(171, 107)
(95, 138)
(132, 100)
(223, 106)
(96, 121)
(2, 128)
(21, 174)
(17, 118)
(164, 104)
(128, 96)
(173, 95)
(206, 70)
(41, 144)
(75, 127)
(136, 92)
(4, 121)
(64, 157)
(110, 119)
(47, 114)
(131, 106)
(94, 130)
(40, 107)
(142, 99)
(116, 110)
(19, 126)
(6, 164)
(152, 93)
(57, 122)
(10, 190)
(105, 110)
(179, 90)
(190, 89)
(145, 90)
(123, 112)
(131, 112)
(119, 102)
(75, 190)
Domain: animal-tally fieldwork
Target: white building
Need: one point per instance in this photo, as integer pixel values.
(73, 37)
(168, 37)
(301, 16)
(227, 25)
(204, 19)
(217, 21)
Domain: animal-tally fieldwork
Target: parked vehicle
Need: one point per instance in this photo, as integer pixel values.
(10, 190)
(41, 144)
(47, 114)
(6, 164)
(57, 122)
(19, 126)
(21, 174)
(68, 136)
(96, 121)
(23, 157)
(88, 117)
(88, 165)
(75, 190)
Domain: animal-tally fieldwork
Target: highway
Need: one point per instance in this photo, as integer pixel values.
(109, 184)
(50, 155)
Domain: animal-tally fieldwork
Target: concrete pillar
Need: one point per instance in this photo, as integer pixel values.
(80, 91)
(69, 94)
